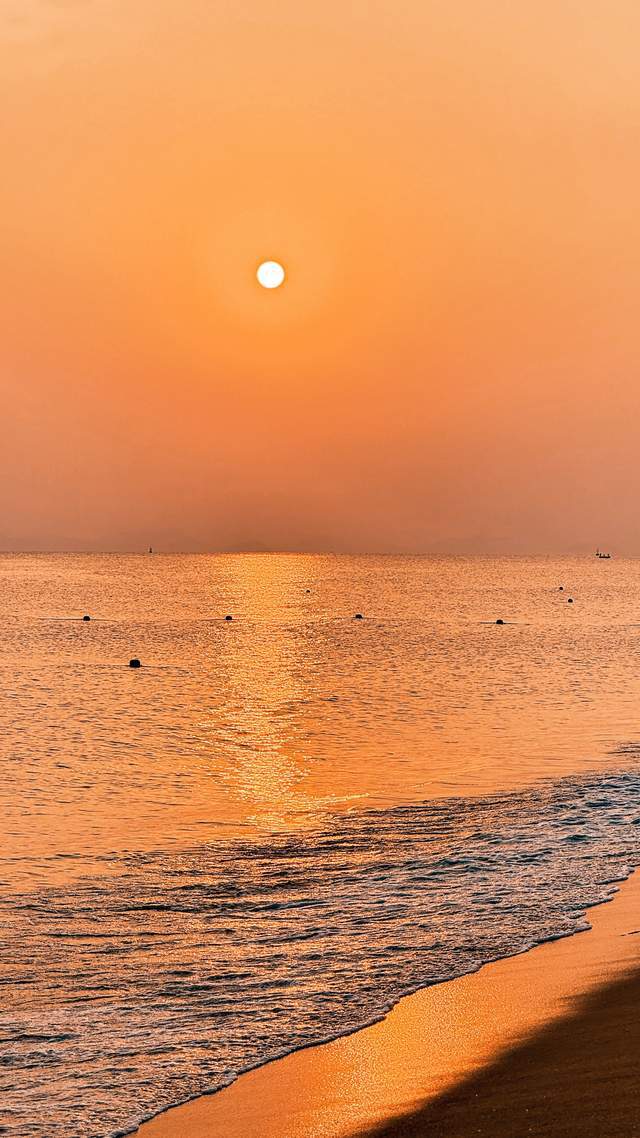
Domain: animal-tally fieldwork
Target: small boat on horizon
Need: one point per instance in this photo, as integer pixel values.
(602, 556)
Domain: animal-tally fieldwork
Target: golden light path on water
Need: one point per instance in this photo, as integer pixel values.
(293, 708)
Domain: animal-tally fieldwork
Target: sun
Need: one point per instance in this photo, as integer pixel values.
(270, 274)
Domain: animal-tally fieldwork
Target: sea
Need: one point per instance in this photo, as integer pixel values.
(282, 822)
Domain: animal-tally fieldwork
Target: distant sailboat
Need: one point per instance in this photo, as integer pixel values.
(150, 549)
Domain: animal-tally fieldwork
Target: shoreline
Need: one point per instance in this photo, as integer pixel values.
(433, 1041)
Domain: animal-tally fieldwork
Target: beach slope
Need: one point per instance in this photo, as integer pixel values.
(577, 1078)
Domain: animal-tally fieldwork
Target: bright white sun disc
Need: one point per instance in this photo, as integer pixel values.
(270, 274)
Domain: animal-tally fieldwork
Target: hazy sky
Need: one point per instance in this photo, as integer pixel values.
(454, 189)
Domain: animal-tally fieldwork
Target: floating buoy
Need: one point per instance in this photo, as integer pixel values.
(499, 621)
(561, 588)
(307, 590)
(86, 618)
(358, 616)
(135, 663)
(570, 601)
(228, 618)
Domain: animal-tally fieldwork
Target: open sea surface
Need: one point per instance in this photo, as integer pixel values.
(281, 823)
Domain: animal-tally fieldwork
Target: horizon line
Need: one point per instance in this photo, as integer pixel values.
(584, 552)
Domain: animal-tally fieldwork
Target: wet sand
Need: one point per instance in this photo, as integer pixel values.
(578, 1076)
(546, 1043)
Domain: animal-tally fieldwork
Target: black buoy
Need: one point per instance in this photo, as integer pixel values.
(570, 601)
(499, 620)
(561, 588)
(86, 618)
(358, 616)
(135, 663)
(307, 590)
(228, 618)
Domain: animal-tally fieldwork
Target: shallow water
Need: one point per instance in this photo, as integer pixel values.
(281, 823)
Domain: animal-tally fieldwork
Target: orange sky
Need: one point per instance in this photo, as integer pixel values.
(454, 189)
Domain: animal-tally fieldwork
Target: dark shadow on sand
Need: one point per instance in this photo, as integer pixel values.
(577, 1078)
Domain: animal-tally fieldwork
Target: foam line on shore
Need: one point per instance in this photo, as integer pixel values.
(429, 1043)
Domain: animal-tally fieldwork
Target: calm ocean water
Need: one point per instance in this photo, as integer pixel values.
(282, 822)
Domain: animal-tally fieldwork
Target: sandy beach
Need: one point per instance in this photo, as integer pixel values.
(542, 1043)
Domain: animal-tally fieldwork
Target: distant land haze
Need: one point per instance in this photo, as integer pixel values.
(452, 365)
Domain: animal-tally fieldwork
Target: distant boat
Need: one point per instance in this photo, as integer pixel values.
(603, 556)
(150, 549)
